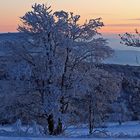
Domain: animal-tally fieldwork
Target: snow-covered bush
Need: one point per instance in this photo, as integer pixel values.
(17, 128)
(35, 130)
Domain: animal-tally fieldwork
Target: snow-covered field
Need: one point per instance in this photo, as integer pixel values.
(114, 131)
(17, 138)
(7, 138)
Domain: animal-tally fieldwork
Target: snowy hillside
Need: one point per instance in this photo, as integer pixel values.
(125, 57)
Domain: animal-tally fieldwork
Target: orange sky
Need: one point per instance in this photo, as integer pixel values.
(118, 15)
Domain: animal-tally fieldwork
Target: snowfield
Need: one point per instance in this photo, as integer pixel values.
(127, 131)
(7, 138)
(17, 138)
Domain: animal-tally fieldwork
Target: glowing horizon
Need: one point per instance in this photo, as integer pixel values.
(118, 16)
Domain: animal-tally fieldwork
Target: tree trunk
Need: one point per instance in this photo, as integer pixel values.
(91, 123)
(50, 124)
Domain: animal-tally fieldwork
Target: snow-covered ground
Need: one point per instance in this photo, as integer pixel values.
(113, 131)
(128, 129)
(17, 138)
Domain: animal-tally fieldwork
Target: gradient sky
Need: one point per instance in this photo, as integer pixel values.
(118, 15)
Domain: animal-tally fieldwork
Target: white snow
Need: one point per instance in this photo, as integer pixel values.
(128, 128)
(24, 138)
(127, 131)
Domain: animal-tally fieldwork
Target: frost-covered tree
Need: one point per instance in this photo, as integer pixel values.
(130, 39)
(56, 48)
(131, 91)
(99, 89)
(14, 88)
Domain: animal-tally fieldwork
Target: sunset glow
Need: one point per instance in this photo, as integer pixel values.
(118, 15)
